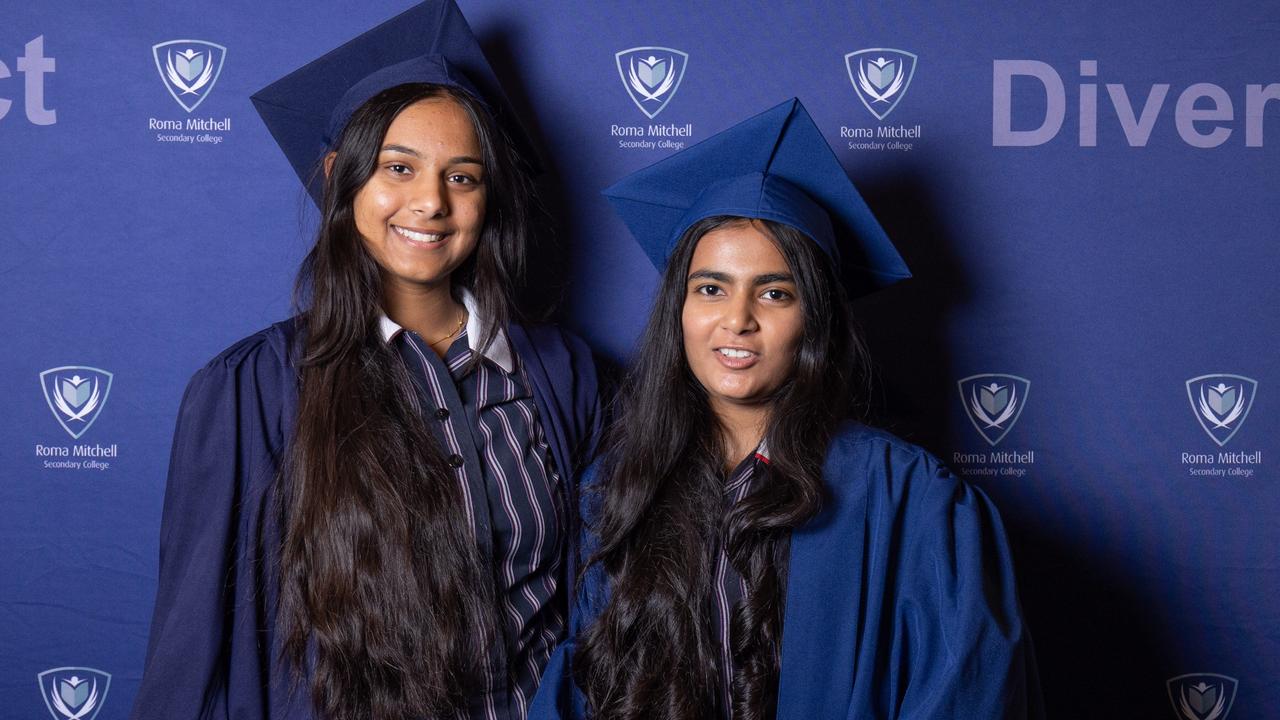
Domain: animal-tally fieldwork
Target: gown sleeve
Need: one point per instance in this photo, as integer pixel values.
(559, 697)
(587, 401)
(961, 649)
(207, 655)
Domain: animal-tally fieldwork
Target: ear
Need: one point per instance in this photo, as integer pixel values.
(328, 164)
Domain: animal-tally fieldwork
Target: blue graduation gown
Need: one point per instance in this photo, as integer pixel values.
(900, 599)
(213, 652)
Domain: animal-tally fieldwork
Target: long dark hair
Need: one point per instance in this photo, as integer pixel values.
(383, 597)
(650, 653)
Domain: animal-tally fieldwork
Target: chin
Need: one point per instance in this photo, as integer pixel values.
(738, 395)
(418, 275)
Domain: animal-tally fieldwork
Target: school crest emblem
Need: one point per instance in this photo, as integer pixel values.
(76, 395)
(74, 693)
(994, 402)
(881, 77)
(651, 76)
(1202, 696)
(189, 69)
(1221, 403)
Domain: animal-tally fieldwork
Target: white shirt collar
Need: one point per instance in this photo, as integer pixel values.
(499, 350)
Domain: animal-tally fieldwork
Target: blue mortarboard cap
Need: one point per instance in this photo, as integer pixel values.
(431, 42)
(774, 166)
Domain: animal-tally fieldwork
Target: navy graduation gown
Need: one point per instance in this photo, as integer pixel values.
(212, 651)
(900, 600)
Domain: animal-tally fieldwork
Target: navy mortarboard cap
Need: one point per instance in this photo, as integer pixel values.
(774, 166)
(430, 43)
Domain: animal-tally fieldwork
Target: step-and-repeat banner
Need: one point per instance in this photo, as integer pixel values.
(1088, 195)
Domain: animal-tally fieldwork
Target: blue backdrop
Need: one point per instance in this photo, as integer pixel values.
(1087, 195)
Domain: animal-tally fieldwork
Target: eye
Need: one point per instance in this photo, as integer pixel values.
(709, 290)
(398, 168)
(463, 179)
(776, 294)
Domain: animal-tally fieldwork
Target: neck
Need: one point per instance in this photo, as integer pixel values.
(741, 430)
(429, 310)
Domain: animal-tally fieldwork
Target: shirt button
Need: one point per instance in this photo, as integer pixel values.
(442, 414)
(455, 460)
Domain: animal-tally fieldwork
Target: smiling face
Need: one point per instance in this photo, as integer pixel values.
(421, 212)
(742, 317)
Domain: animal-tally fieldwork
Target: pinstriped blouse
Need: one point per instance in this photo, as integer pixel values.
(485, 418)
(729, 587)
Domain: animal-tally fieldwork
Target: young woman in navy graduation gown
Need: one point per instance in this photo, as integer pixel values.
(368, 506)
(752, 551)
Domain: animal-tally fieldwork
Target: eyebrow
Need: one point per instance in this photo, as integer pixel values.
(727, 278)
(459, 160)
(774, 277)
(401, 149)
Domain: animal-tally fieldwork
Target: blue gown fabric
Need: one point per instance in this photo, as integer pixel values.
(212, 651)
(900, 599)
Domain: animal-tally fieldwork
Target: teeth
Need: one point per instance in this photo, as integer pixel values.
(730, 352)
(420, 237)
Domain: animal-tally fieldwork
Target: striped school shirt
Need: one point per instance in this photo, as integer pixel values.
(729, 588)
(485, 418)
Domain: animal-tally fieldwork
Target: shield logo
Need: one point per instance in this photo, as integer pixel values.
(1202, 696)
(651, 76)
(993, 403)
(76, 395)
(1221, 402)
(189, 69)
(74, 693)
(880, 76)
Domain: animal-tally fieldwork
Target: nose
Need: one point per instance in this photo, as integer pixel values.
(429, 198)
(739, 315)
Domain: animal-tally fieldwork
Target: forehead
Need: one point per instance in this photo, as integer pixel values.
(741, 249)
(434, 125)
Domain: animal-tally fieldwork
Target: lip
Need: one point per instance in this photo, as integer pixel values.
(413, 242)
(733, 363)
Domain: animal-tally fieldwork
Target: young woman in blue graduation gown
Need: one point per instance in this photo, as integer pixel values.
(368, 505)
(751, 551)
